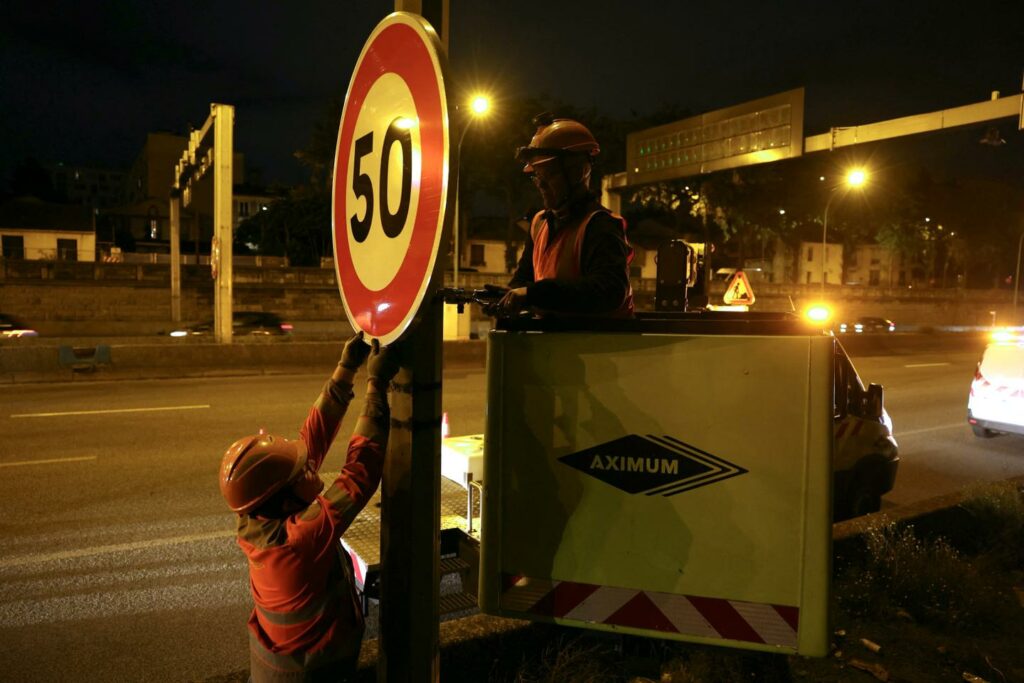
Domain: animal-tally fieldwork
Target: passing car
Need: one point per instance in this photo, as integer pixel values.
(868, 325)
(995, 404)
(243, 323)
(12, 328)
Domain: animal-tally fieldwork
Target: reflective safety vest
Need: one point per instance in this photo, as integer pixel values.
(559, 257)
(307, 624)
(319, 640)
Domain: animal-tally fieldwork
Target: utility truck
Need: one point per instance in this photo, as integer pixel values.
(674, 475)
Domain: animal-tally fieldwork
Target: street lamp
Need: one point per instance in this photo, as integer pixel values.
(1016, 279)
(855, 178)
(479, 105)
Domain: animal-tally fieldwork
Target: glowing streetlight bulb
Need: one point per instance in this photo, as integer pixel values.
(856, 178)
(480, 105)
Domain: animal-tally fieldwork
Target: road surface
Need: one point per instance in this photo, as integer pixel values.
(117, 559)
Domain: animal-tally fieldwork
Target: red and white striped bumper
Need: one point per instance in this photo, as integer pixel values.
(686, 615)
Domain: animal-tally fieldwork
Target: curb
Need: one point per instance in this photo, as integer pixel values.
(940, 516)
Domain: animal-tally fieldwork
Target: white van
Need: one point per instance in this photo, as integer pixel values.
(996, 402)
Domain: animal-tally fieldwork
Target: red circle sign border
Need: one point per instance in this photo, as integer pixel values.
(400, 44)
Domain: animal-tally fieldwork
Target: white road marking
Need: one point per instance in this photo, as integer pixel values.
(912, 432)
(114, 548)
(48, 461)
(109, 412)
(925, 365)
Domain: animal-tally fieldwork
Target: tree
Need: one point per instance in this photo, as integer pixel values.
(30, 179)
(318, 154)
(298, 227)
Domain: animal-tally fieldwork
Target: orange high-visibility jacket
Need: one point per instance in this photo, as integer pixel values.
(307, 616)
(558, 256)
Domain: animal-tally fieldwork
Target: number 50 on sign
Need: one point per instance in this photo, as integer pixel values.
(391, 178)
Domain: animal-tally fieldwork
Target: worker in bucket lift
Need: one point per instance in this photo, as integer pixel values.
(576, 259)
(307, 624)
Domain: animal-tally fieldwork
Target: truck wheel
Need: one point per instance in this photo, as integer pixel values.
(982, 432)
(861, 498)
(864, 501)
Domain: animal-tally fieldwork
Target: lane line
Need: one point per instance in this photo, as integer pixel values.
(48, 461)
(912, 432)
(112, 411)
(925, 365)
(115, 548)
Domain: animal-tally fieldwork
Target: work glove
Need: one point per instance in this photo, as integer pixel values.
(490, 297)
(513, 302)
(355, 353)
(384, 363)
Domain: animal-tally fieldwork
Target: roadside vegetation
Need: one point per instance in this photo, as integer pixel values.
(910, 607)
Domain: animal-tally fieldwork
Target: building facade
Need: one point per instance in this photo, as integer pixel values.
(32, 229)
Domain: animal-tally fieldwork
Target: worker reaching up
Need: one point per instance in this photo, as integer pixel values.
(307, 624)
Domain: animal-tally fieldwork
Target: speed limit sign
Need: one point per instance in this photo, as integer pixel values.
(391, 178)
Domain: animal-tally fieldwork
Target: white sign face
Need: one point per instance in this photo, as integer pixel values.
(391, 178)
(378, 257)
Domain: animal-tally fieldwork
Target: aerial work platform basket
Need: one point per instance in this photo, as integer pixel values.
(652, 478)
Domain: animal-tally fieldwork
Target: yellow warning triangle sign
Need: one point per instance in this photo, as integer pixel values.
(739, 292)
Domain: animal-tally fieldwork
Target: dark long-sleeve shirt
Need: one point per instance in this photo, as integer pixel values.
(604, 270)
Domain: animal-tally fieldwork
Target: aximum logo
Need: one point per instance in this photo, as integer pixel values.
(623, 463)
(652, 465)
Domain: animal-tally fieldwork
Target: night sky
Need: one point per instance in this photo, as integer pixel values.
(84, 82)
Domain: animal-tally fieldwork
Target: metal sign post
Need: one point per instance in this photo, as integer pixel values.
(175, 214)
(223, 238)
(410, 512)
(211, 148)
(391, 210)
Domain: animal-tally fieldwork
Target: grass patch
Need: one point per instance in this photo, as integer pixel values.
(929, 580)
(997, 513)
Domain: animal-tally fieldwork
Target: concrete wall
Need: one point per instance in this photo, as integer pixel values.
(62, 299)
(39, 361)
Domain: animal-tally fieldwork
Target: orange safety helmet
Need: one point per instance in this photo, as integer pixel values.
(256, 467)
(556, 138)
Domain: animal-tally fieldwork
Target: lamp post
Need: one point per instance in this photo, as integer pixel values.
(478, 107)
(854, 178)
(1016, 279)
